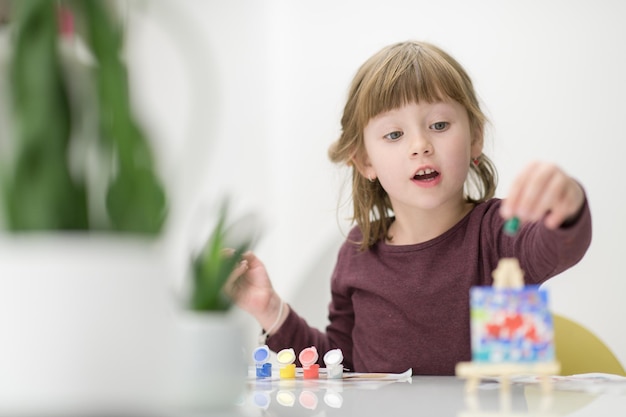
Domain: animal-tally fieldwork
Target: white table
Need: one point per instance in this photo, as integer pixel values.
(419, 395)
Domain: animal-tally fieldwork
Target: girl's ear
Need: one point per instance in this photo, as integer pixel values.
(363, 165)
(477, 142)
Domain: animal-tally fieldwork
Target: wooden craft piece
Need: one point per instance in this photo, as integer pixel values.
(512, 331)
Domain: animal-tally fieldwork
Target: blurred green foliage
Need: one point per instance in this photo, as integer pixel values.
(42, 190)
(213, 266)
(62, 112)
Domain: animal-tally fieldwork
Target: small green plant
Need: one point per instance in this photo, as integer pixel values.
(213, 265)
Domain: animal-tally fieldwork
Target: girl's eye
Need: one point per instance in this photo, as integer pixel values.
(393, 135)
(439, 126)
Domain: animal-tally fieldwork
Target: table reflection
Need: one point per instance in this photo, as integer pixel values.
(444, 396)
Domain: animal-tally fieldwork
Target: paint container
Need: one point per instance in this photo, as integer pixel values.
(308, 400)
(261, 399)
(333, 399)
(261, 357)
(286, 365)
(308, 358)
(334, 366)
(286, 398)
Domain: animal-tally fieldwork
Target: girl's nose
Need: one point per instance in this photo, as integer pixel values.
(420, 145)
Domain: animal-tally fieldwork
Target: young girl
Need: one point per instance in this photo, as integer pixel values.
(427, 225)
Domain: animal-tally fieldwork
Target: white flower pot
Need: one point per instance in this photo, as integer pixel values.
(85, 323)
(210, 366)
(90, 323)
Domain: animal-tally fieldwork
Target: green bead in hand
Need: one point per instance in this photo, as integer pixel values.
(511, 226)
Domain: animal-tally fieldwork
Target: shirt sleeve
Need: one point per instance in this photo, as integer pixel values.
(544, 253)
(297, 334)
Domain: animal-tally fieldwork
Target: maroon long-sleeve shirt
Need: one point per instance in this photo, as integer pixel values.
(400, 307)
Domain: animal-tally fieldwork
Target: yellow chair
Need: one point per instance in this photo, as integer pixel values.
(580, 351)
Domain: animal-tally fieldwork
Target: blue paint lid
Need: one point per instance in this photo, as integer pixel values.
(261, 354)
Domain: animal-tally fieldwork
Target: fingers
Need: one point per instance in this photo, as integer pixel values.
(251, 259)
(567, 206)
(240, 269)
(248, 285)
(230, 287)
(525, 192)
(543, 191)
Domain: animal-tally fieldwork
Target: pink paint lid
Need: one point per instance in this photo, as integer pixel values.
(308, 356)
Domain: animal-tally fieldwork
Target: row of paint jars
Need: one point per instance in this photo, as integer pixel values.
(308, 358)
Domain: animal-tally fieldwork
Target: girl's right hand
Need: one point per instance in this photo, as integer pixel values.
(250, 288)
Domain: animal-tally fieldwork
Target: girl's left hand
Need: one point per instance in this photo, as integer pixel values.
(543, 191)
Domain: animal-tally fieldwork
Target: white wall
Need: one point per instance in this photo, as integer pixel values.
(246, 97)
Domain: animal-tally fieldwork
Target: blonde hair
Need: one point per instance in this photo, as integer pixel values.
(400, 74)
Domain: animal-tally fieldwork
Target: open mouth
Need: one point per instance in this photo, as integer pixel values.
(427, 174)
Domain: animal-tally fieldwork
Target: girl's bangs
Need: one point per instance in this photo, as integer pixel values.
(406, 78)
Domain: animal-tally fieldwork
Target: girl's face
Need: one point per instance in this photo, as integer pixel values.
(421, 154)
